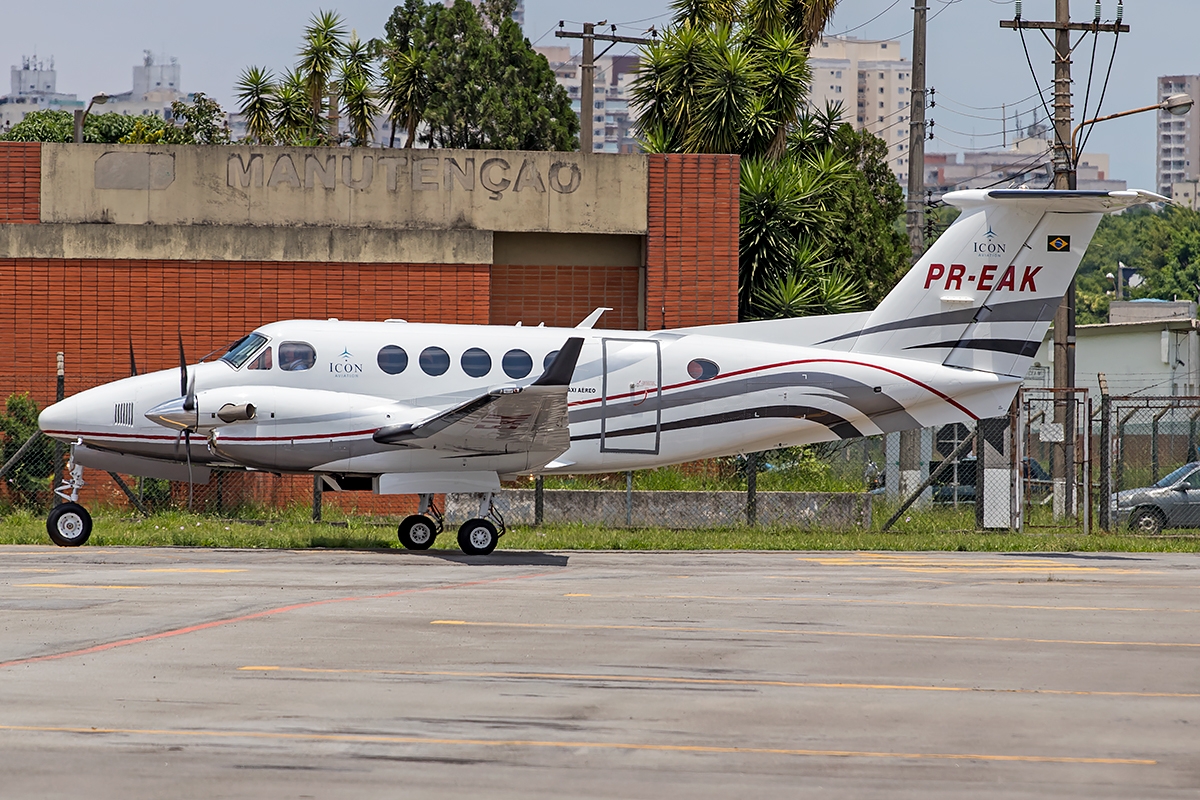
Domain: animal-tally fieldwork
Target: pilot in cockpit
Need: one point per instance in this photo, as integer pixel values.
(295, 356)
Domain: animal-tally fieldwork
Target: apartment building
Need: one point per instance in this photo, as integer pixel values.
(611, 118)
(33, 87)
(873, 82)
(1178, 137)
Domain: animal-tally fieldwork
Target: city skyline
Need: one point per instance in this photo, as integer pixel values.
(973, 64)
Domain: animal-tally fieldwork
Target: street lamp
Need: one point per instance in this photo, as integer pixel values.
(81, 116)
(1176, 104)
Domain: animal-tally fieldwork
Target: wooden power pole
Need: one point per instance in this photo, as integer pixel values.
(1064, 159)
(587, 72)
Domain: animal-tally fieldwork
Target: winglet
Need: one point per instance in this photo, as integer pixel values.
(591, 319)
(563, 366)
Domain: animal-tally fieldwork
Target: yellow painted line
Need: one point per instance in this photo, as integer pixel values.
(791, 632)
(357, 738)
(856, 601)
(576, 595)
(188, 569)
(76, 586)
(568, 676)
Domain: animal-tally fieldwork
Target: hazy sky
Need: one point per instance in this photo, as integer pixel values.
(974, 64)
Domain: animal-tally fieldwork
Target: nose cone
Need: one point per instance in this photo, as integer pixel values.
(60, 419)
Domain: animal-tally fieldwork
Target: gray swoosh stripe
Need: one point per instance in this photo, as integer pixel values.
(1018, 347)
(841, 427)
(860, 396)
(1030, 311)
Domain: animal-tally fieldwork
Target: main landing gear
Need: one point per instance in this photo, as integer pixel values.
(69, 524)
(476, 537)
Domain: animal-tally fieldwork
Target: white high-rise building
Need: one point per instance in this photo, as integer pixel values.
(873, 82)
(1178, 137)
(155, 87)
(611, 117)
(34, 87)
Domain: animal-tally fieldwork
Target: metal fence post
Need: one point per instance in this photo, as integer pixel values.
(1105, 515)
(539, 501)
(752, 489)
(318, 492)
(629, 499)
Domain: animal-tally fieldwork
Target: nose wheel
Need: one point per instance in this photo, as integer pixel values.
(69, 524)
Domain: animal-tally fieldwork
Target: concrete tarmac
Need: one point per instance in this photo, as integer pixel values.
(131, 672)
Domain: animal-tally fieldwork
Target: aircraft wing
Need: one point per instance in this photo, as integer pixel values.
(511, 419)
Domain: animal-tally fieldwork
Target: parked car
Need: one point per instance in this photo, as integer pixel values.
(1173, 502)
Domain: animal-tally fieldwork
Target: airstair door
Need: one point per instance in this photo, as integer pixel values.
(631, 401)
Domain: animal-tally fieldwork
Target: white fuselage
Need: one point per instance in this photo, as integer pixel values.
(637, 399)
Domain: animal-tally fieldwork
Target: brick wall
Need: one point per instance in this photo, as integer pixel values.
(91, 309)
(563, 296)
(692, 245)
(20, 182)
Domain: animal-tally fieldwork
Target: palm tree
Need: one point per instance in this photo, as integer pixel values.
(322, 52)
(357, 83)
(255, 90)
(292, 121)
(406, 90)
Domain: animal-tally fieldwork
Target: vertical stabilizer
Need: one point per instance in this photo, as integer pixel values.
(984, 294)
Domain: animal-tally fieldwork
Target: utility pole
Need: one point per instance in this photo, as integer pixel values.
(1064, 178)
(587, 71)
(1064, 161)
(916, 137)
(910, 441)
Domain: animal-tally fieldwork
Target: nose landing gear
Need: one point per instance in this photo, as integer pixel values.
(69, 524)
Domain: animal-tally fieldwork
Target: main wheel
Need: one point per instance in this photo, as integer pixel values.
(478, 537)
(69, 525)
(417, 532)
(1147, 521)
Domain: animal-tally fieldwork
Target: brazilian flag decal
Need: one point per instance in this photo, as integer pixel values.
(1059, 244)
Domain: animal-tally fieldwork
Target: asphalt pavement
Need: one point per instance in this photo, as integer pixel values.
(171, 672)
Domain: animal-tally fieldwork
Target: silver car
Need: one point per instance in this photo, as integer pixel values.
(1173, 502)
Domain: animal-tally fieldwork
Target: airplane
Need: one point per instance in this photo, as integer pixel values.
(406, 408)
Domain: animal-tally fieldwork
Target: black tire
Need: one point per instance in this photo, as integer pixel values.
(1147, 521)
(478, 537)
(69, 525)
(417, 532)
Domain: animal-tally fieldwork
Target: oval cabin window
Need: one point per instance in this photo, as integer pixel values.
(476, 362)
(517, 364)
(701, 369)
(392, 359)
(434, 361)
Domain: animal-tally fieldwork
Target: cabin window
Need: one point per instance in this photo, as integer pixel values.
(476, 362)
(517, 364)
(434, 361)
(296, 356)
(240, 351)
(549, 359)
(701, 369)
(392, 359)
(263, 361)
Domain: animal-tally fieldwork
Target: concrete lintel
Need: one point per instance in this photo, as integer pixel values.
(245, 243)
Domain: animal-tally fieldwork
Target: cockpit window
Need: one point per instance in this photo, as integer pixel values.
(240, 351)
(296, 356)
(263, 361)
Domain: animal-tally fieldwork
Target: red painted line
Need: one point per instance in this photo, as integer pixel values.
(908, 378)
(100, 648)
(367, 432)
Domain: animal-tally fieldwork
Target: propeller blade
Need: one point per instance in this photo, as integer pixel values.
(189, 397)
(132, 361)
(183, 375)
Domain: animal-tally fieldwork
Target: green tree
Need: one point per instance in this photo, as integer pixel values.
(357, 86)
(321, 54)
(293, 124)
(31, 475)
(819, 205)
(472, 79)
(59, 126)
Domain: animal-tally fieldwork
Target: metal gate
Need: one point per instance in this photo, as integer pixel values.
(1054, 459)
